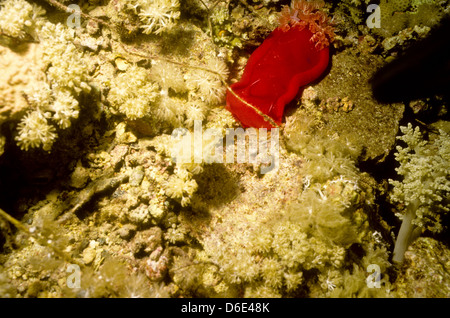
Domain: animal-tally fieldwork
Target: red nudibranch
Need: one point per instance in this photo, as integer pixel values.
(295, 54)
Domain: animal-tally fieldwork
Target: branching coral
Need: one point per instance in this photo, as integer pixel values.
(425, 188)
(307, 14)
(170, 94)
(60, 107)
(274, 256)
(65, 108)
(272, 253)
(181, 185)
(278, 250)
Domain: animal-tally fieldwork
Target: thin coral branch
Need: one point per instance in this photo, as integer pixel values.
(160, 58)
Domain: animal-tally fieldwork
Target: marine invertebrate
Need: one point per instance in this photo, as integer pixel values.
(132, 92)
(181, 186)
(56, 87)
(208, 84)
(158, 15)
(171, 93)
(19, 18)
(70, 72)
(425, 189)
(294, 54)
(34, 131)
(275, 256)
(65, 108)
(306, 14)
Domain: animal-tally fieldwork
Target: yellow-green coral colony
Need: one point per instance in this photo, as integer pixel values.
(135, 92)
(425, 189)
(142, 224)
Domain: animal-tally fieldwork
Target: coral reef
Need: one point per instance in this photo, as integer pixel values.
(98, 198)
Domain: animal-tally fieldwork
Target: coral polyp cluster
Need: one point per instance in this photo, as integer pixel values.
(19, 18)
(156, 16)
(308, 14)
(34, 131)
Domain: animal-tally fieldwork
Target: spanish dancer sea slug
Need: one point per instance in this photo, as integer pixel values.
(292, 56)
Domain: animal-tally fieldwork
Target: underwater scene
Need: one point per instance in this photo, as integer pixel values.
(224, 149)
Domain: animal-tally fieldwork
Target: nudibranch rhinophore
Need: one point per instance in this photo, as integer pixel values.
(292, 56)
